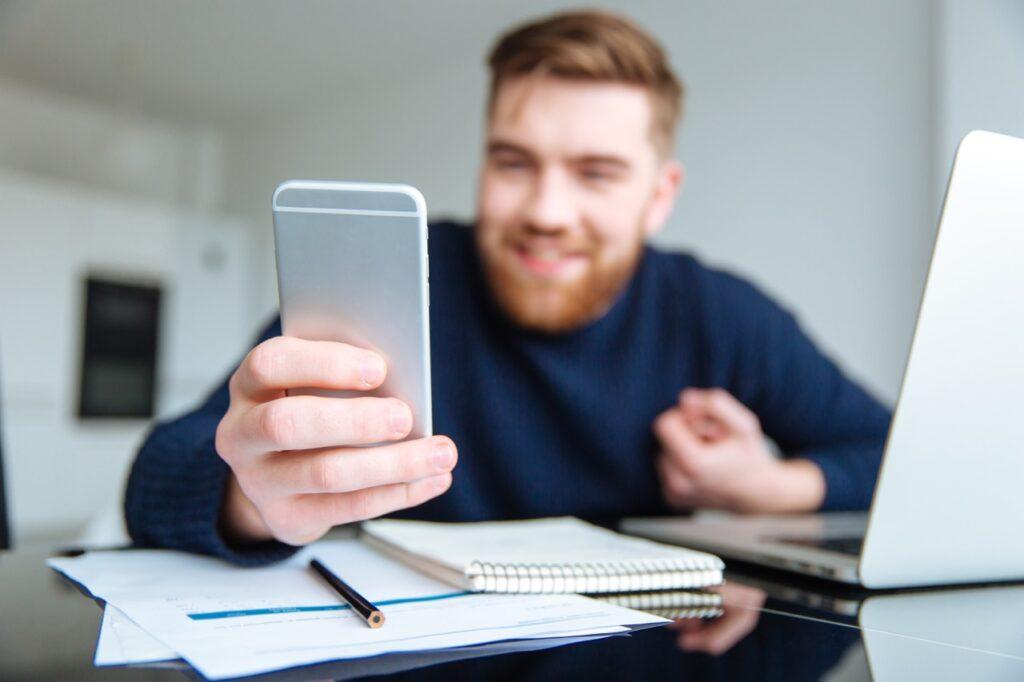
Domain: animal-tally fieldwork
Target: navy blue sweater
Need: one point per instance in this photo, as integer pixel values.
(550, 425)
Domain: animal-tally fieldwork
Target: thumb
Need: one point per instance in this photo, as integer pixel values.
(680, 442)
(721, 406)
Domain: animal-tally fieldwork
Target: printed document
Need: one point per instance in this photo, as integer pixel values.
(228, 621)
(122, 642)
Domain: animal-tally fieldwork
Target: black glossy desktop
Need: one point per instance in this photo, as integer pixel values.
(775, 627)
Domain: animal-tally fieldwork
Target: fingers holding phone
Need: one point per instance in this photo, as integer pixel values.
(306, 407)
(302, 463)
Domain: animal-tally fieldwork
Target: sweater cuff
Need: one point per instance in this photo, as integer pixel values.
(175, 501)
(849, 479)
(253, 554)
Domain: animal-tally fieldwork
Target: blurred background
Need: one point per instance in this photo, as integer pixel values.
(140, 142)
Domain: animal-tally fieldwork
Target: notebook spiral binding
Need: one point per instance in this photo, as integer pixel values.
(593, 578)
(672, 604)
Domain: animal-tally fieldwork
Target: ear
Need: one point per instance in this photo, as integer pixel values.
(666, 186)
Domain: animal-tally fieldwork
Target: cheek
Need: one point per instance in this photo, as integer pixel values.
(616, 225)
(501, 198)
(617, 245)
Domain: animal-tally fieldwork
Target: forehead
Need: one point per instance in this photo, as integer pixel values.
(572, 117)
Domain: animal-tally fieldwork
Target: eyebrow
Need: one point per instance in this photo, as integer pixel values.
(603, 160)
(504, 146)
(501, 146)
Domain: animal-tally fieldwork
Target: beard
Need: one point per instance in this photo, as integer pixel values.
(548, 305)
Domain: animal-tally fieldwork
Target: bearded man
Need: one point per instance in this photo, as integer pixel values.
(576, 369)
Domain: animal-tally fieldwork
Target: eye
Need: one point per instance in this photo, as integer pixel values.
(510, 163)
(595, 174)
(600, 174)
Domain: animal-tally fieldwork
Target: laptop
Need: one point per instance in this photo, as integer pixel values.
(5, 531)
(949, 501)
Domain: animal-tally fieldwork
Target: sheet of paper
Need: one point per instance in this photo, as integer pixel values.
(228, 621)
(394, 663)
(122, 642)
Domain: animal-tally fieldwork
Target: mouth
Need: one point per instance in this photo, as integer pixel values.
(550, 262)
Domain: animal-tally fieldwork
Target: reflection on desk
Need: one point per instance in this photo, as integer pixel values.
(49, 632)
(984, 619)
(987, 618)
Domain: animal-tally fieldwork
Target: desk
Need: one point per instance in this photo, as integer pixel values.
(795, 630)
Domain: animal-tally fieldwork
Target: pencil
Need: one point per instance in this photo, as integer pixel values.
(366, 610)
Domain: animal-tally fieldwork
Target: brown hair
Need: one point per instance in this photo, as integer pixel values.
(593, 45)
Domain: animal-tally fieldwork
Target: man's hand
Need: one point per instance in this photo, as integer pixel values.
(300, 464)
(714, 455)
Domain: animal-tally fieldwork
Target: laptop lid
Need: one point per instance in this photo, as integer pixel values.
(5, 529)
(949, 499)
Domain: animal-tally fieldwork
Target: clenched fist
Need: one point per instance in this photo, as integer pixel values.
(714, 455)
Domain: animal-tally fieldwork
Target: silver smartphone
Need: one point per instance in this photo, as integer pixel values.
(352, 267)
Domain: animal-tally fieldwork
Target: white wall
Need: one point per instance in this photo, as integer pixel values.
(68, 139)
(980, 73)
(86, 189)
(807, 138)
(807, 145)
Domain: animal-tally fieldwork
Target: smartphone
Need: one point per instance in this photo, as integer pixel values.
(352, 267)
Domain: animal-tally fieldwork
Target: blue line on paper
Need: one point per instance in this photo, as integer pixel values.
(216, 615)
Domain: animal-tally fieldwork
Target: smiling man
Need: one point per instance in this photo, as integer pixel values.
(566, 201)
(576, 369)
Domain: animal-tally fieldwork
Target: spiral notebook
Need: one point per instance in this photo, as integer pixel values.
(541, 555)
(670, 604)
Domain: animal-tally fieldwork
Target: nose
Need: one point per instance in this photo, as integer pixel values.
(550, 207)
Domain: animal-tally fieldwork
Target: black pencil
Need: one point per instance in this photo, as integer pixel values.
(366, 610)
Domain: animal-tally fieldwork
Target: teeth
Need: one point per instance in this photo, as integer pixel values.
(545, 255)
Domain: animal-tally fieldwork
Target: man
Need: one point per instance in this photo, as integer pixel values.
(576, 370)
